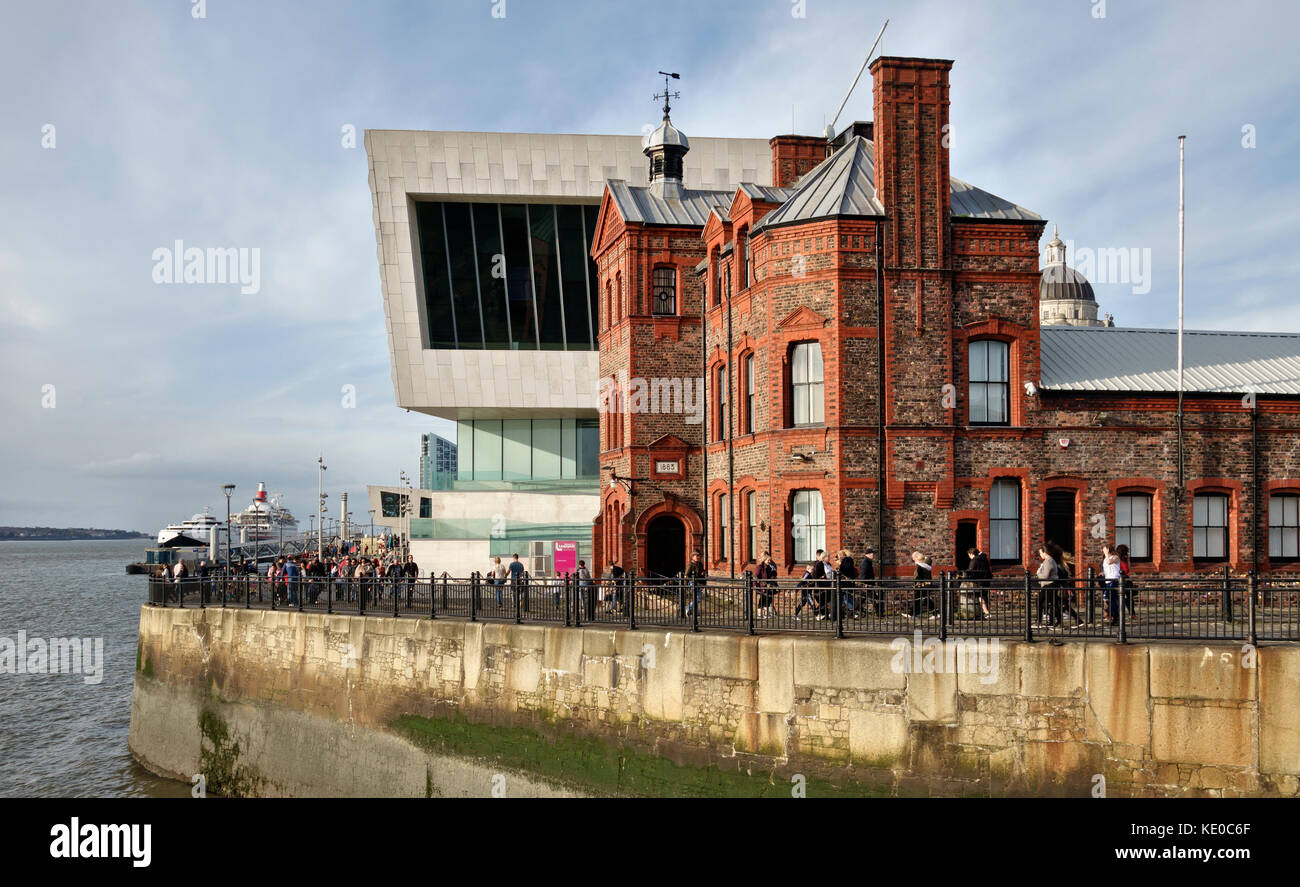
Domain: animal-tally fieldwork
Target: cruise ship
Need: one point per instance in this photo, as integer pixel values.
(262, 520)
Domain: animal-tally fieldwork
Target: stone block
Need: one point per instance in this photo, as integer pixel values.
(722, 656)
(775, 674)
(847, 664)
(878, 739)
(1200, 672)
(1198, 734)
(1279, 710)
(1117, 679)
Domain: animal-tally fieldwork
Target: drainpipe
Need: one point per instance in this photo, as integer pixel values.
(704, 445)
(731, 456)
(880, 398)
(1254, 487)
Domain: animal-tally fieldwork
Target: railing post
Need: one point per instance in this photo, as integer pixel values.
(631, 601)
(578, 601)
(1227, 595)
(568, 614)
(433, 595)
(248, 593)
(361, 596)
(299, 588)
(1092, 592)
(224, 580)
(945, 608)
(515, 585)
(749, 601)
(681, 595)
(397, 588)
(696, 607)
(444, 590)
(1253, 591)
(473, 596)
(1123, 610)
(837, 609)
(1029, 610)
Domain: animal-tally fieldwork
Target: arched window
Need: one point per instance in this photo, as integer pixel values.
(747, 421)
(724, 528)
(743, 254)
(989, 383)
(807, 524)
(665, 291)
(806, 398)
(619, 308)
(751, 516)
(609, 304)
(722, 417)
(715, 276)
(1004, 521)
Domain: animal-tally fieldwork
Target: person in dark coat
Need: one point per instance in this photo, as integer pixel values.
(867, 573)
(848, 584)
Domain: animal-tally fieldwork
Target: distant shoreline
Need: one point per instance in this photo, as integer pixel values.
(72, 534)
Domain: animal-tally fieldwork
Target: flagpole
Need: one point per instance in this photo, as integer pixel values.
(1181, 227)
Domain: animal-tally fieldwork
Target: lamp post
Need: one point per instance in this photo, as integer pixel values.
(229, 490)
(405, 513)
(320, 504)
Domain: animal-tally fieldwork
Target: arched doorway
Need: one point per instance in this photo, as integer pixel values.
(665, 546)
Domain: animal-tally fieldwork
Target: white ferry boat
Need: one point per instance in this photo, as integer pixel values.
(199, 528)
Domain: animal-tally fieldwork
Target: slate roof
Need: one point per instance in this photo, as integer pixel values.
(844, 185)
(642, 205)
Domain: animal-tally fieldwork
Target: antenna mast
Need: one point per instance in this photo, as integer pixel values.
(830, 129)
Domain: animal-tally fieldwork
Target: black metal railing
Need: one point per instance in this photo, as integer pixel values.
(1216, 607)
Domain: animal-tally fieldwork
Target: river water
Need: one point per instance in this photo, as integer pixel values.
(59, 735)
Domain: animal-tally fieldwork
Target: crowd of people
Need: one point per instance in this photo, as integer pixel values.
(308, 576)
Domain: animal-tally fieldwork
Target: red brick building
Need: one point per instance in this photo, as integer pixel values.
(875, 375)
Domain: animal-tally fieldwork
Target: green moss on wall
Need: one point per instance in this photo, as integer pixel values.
(219, 760)
(594, 766)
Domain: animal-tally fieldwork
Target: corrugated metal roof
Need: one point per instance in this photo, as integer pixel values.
(1120, 359)
(841, 185)
(644, 206)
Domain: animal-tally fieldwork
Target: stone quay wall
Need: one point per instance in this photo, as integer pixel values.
(286, 703)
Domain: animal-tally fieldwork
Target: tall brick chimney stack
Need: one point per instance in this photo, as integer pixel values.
(793, 156)
(911, 118)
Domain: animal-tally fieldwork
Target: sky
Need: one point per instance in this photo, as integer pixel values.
(128, 126)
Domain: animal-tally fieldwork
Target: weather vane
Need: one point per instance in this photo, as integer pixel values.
(666, 94)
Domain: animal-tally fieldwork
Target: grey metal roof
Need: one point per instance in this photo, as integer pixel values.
(644, 206)
(844, 185)
(976, 203)
(841, 185)
(766, 193)
(1120, 359)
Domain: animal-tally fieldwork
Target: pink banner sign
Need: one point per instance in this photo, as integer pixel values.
(566, 557)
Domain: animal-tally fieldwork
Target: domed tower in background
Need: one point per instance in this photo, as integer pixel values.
(1065, 297)
(666, 146)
